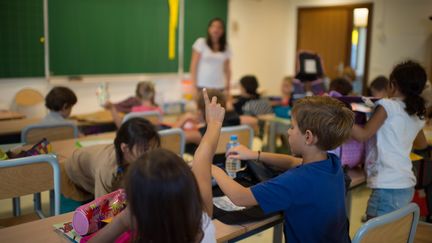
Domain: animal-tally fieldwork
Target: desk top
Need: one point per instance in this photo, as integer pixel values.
(15, 126)
(10, 115)
(43, 231)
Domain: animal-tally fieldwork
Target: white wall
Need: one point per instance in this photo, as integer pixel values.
(86, 92)
(265, 42)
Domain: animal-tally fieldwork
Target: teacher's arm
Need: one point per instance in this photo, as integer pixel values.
(227, 71)
(194, 66)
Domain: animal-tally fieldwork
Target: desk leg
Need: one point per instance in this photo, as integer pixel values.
(277, 233)
(271, 142)
(16, 205)
(348, 201)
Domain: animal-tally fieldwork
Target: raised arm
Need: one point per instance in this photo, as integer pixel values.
(282, 161)
(201, 165)
(375, 122)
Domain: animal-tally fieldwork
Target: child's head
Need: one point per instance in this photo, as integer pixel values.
(349, 74)
(134, 138)
(323, 118)
(378, 87)
(216, 33)
(164, 199)
(249, 85)
(61, 99)
(211, 93)
(341, 85)
(145, 90)
(287, 85)
(408, 80)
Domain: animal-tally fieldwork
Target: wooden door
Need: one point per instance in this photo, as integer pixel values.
(326, 31)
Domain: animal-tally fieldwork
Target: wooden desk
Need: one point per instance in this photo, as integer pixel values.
(43, 231)
(10, 115)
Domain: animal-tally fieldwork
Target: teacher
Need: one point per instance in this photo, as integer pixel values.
(210, 64)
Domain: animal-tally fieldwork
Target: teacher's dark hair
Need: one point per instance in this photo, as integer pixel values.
(222, 40)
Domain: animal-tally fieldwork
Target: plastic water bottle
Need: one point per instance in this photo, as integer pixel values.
(102, 93)
(232, 166)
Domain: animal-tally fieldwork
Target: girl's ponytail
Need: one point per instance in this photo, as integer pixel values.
(409, 77)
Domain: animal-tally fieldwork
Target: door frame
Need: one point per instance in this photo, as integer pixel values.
(369, 6)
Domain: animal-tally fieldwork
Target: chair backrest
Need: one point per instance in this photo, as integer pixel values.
(29, 175)
(244, 133)
(34, 133)
(29, 102)
(154, 117)
(173, 139)
(398, 226)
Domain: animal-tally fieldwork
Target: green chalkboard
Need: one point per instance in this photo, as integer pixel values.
(21, 29)
(97, 36)
(109, 36)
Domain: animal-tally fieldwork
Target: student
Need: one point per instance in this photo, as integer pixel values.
(99, 169)
(249, 102)
(342, 86)
(312, 192)
(59, 101)
(378, 87)
(286, 91)
(167, 202)
(125, 106)
(193, 123)
(146, 93)
(394, 125)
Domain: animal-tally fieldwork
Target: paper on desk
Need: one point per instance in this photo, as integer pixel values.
(87, 143)
(226, 204)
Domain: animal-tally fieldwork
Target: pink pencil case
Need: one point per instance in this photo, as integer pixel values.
(88, 217)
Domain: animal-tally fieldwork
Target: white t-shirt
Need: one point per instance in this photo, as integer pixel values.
(208, 229)
(210, 69)
(388, 163)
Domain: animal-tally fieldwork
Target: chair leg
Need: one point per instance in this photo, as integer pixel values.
(38, 205)
(52, 202)
(16, 206)
(277, 233)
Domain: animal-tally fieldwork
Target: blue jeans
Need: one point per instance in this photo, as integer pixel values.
(383, 201)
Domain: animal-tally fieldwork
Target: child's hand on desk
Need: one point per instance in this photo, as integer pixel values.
(108, 105)
(241, 152)
(214, 111)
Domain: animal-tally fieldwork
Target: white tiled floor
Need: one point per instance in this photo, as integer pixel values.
(359, 200)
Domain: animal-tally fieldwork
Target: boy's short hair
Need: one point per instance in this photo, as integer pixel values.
(341, 85)
(379, 83)
(250, 84)
(327, 118)
(60, 97)
(211, 92)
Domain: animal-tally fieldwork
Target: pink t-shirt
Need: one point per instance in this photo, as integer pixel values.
(143, 108)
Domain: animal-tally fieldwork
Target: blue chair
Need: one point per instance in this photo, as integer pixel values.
(33, 134)
(174, 140)
(244, 133)
(155, 117)
(29, 175)
(395, 227)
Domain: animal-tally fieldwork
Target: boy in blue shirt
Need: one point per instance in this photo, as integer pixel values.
(312, 192)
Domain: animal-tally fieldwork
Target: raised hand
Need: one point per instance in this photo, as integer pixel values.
(214, 111)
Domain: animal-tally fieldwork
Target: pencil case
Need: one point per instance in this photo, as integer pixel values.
(88, 217)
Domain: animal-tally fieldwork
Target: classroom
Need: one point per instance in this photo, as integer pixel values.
(216, 121)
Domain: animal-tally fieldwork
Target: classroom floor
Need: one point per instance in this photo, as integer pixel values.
(359, 200)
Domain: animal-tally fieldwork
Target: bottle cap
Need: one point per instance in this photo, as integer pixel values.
(233, 138)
